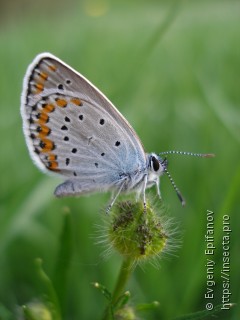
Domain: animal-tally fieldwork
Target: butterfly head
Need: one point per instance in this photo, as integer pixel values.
(157, 165)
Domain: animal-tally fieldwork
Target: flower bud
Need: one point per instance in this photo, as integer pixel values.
(126, 313)
(135, 232)
(36, 310)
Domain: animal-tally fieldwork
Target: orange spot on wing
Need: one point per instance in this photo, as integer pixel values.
(61, 102)
(42, 118)
(52, 157)
(43, 75)
(53, 165)
(76, 101)
(48, 108)
(43, 131)
(46, 145)
(39, 87)
(52, 67)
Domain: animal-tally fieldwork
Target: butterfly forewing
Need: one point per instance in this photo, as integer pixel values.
(73, 129)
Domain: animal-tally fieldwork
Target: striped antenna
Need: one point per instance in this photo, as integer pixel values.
(176, 188)
(202, 155)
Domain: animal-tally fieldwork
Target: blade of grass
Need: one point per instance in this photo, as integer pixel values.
(63, 259)
(222, 108)
(142, 55)
(34, 202)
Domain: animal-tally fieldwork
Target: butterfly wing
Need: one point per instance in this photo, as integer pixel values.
(73, 130)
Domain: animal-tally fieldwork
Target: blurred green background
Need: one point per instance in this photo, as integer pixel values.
(172, 69)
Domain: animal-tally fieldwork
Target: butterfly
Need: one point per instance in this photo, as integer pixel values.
(73, 130)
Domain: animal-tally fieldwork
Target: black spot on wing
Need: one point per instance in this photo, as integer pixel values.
(67, 119)
(117, 143)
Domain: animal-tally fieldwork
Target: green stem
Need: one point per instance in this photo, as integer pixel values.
(124, 274)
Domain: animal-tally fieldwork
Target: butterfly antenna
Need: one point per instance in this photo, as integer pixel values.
(176, 188)
(202, 155)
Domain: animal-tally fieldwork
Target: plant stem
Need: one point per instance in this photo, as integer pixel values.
(123, 277)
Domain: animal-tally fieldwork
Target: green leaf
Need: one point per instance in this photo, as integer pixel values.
(107, 294)
(51, 296)
(122, 300)
(147, 306)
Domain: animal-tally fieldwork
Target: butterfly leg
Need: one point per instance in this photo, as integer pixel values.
(158, 188)
(115, 196)
(144, 193)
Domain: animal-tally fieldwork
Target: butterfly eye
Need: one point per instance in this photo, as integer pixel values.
(155, 164)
